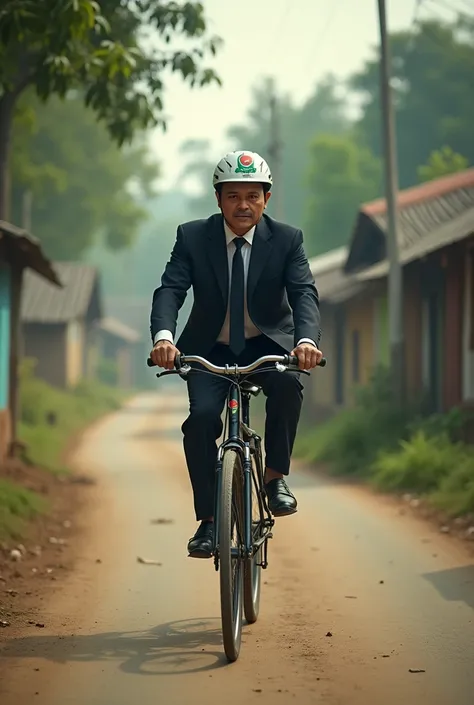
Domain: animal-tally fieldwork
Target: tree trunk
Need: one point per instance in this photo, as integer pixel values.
(7, 103)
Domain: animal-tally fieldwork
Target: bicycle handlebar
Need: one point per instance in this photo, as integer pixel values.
(290, 361)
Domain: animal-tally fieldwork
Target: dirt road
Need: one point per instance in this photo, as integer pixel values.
(393, 594)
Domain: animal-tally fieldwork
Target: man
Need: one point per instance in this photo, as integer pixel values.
(254, 295)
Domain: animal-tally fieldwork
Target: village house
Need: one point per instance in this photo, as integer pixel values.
(117, 345)
(20, 254)
(60, 326)
(436, 245)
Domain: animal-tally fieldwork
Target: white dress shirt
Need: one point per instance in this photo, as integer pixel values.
(251, 330)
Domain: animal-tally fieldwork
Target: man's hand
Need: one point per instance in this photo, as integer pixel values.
(164, 354)
(308, 356)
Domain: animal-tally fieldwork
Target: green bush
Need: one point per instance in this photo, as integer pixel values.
(455, 494)
(397, 449)
(17, 505)
(350, 441)
(450, 423)
(420, 464)
(50, 416)
(107, 371)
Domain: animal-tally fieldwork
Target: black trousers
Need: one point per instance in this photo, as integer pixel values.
(207, 395)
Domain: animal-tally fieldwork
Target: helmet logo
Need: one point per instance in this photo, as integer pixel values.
(245, 165)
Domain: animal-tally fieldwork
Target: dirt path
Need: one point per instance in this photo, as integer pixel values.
(393, 594)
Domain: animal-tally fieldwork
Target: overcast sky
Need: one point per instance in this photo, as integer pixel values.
(296, 41)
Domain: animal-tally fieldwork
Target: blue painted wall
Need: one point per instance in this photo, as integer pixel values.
(4, 334)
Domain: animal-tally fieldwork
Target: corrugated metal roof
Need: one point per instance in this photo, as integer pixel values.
(457, 229)
(28, 250)
(421, 219)
(119, 330)
(424, 192)
(437, 212)
(42, 303)
(332, 283)
(328, 260)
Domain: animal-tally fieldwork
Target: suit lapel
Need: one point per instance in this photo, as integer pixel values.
(218, 254)
(261, 249)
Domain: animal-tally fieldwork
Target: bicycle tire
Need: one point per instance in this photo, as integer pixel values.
(252, 568)
(231, 569)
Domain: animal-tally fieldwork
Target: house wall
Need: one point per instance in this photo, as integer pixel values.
(5, 426)
(412, 318)
(75, 346)
(359, 344)
(47, 344)
(453, 330)
(4, 334)
(321, 387)
(468, 324)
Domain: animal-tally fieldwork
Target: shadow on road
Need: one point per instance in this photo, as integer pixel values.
(189, 646)
(454, 585)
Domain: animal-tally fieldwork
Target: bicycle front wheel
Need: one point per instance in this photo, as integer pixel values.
(231, 542)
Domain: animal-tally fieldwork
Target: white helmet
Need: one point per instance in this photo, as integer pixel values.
(242, 166)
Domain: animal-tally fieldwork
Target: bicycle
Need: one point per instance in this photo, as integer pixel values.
(242, 520)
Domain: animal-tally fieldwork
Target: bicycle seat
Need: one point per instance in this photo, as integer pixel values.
(250, 388)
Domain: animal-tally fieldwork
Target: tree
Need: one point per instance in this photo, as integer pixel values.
(199, 167)
(323, 112)
(341, 176)
(114, 54)
(81, 183)
(433, 66)
(441, 163)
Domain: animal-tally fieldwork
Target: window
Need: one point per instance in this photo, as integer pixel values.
(355, 357)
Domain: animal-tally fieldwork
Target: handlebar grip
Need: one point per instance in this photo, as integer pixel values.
(293, 360)
(177, 362)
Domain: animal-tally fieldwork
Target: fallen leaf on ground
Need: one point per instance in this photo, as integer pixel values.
(162, 521)
(147, 561)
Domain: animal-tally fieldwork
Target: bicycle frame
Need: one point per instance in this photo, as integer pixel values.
(238, 413)
(238, 410)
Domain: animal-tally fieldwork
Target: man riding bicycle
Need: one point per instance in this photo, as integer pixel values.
(254, 295)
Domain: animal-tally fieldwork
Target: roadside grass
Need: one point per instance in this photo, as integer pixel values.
(397, 449)
(50, 418)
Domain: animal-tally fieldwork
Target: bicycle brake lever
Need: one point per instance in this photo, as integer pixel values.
(182, 372)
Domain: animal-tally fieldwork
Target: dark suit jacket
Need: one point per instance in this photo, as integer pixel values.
(282, 299)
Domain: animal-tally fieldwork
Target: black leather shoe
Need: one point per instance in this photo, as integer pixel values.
(281, 501)
(201, 544)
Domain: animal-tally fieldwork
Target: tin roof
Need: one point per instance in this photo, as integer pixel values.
(332, 283)
(430, 216)
(42, 303)
(28, 250)
(116, 328)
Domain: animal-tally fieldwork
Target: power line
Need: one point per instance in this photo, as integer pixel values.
(337, 5)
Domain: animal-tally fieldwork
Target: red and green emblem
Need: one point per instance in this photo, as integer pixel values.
(245, 165)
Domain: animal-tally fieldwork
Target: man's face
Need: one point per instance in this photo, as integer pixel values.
(242, 205)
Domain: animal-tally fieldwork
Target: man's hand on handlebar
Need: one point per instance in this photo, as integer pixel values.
(164, 354)
(308, 356)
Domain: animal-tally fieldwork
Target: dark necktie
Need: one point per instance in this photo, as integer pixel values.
(237, 287)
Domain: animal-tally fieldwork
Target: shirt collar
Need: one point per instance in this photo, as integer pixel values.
(229, 235)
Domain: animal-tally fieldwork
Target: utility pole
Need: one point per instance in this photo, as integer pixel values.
(395, 281)
(275, 153)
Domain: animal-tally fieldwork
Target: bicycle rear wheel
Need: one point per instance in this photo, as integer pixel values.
(231, 541)
(252, 566)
